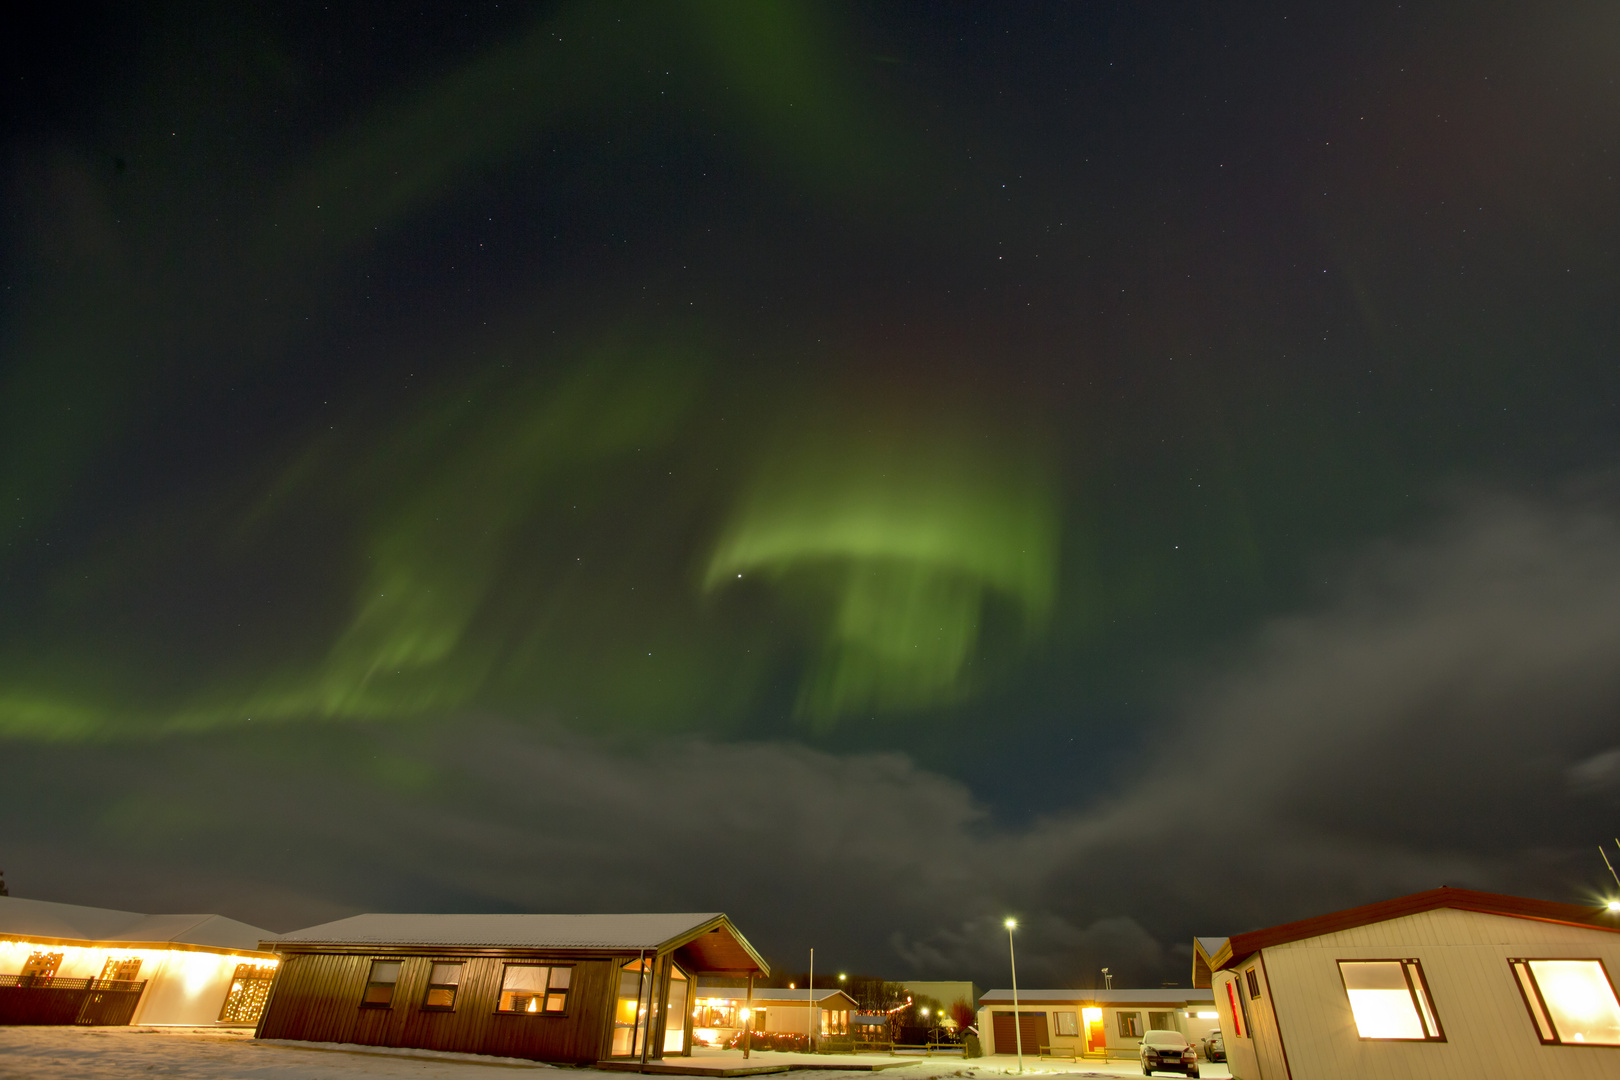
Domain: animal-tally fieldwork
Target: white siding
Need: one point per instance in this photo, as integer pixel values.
(1464, 956)
(1241, 1058)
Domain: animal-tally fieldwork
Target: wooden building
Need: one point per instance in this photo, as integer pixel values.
(563, 988)
(1091, 1023)
(69, 964)
(1448, 983)
(722, 1010)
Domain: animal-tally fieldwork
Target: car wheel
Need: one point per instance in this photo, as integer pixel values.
(1192, 1073)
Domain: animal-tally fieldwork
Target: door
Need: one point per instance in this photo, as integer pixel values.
(1031, 1026)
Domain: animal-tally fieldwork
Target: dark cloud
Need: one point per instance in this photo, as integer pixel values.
(1448, 717)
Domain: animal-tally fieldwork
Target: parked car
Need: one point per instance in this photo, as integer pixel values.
(1168, 1051)
(1215, 1046)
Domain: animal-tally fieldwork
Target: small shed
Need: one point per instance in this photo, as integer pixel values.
(72, 964)
(1439, 984)
(1091, 1023)
(562, 988)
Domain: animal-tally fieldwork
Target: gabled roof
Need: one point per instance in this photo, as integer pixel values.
(48, 921)
(1164, 995)
(708, 941)
(1242, 946)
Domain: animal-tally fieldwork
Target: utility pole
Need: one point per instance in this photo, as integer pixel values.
(1018, 1026)
(810, 992)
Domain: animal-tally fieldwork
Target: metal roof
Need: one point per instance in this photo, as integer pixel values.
(1162, 995)
(707, 940)
(46, 919)
(1240, 946)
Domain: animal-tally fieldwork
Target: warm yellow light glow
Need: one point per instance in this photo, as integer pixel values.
(1094, 1013)
(1614, 905)
(1209, 1016)
(534, 1005)
(744, 1013)
(1579, 1000)
(1012, 924)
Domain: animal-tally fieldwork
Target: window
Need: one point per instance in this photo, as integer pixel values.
(1162, 1021)
(380, 985)
(1390, 1000)
(1066, 1023)
(443, 981)
(42, 965)
(250, 989)
(122, 968)
(1130, 1025)
(1571, 1001)
(1237, 1016)
(529, 988)
(1254, 984)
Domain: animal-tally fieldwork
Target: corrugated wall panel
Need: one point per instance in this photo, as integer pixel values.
(1464, 957)
(317, 998)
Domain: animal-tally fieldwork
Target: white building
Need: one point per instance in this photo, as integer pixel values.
(1448, 983)
(718, 1012)
(67, 964)
(1091, 1023)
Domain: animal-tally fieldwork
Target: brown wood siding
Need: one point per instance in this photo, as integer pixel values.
(317, 998)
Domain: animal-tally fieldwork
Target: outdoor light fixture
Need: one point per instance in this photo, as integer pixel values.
(1614, 905)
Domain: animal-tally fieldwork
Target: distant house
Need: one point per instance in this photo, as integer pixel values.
(1091, 1023)
(719, 1012)
(1444, 983)
(564, 988)
(69, 964)
(946, 993)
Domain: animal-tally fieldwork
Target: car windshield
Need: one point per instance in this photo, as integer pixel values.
(1170, 1040)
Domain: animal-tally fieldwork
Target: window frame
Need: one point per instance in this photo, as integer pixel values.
(567, 991)
(1538, 1010)
(393, 987)
(1135, 1020)
(1073, 1022)
(1408, 965)
(454, 988)
(1252, 979)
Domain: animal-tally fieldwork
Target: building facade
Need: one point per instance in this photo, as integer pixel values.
(562, 988)
(722, 1011)
(1448, 983)
(1091, 1023)
(70, 964)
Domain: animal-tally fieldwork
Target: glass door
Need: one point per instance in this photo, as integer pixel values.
(633, 1011)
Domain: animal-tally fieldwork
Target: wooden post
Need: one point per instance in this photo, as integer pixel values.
(748, 1021)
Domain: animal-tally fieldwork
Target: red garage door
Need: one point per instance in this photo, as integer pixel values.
(1033, 1029)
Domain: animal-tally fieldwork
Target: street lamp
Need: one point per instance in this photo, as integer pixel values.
(1018, 1028)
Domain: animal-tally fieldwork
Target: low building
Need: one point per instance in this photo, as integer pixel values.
(70, 964)
(722, 1009)
(1440, 984)
(563, 988)
(1091, 1023)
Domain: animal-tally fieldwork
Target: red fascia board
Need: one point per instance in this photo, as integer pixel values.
(1241, 946)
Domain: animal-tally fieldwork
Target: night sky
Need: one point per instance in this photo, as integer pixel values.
(870, 469)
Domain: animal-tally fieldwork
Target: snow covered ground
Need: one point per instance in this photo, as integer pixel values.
(118, 1053)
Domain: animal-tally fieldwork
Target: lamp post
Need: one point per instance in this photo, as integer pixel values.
(1018, 1028)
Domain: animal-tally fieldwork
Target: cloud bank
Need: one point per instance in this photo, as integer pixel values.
(1451, 717)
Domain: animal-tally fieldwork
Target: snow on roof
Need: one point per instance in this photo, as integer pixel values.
(1164, 995)
(75, 922)
(516, 931)
(1211, 945)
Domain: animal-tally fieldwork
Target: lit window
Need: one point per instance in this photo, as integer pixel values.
(42, 965)
(443, 981)
(1162, 1021)
(1571, 1001)
(250, 989)
(528, 988)
(1130, 1025)
(1067, 1023)
(380, 984)
(1390, 1000)
(121, 968)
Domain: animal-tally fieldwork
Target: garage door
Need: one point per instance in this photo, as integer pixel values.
(1033, 1029)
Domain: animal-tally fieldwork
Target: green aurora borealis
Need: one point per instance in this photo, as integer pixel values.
(974, 385)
